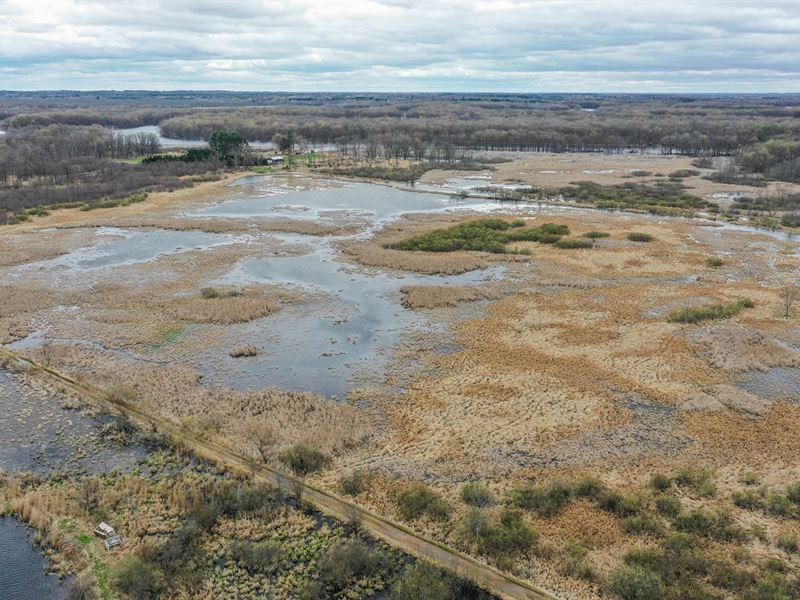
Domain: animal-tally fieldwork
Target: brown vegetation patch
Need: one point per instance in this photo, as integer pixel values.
(583, 520)
(371, 254)
(734, 347)
(222, 311)
(750, 441)
(435, 296)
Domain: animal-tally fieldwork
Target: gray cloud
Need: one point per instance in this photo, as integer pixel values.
(547, 45)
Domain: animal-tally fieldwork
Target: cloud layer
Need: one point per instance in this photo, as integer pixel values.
(307, 45)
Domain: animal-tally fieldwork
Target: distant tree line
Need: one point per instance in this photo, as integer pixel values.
(422, 125)
(62, 164)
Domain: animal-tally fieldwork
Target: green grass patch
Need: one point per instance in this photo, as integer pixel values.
(663, 197)
(483, 235)
(596, 235)
(636, 236)
(713, 312)
(421, 500)
(114, 202)
(715, 262)
(573, 244)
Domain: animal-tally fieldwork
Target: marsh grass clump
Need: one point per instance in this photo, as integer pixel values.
(668, 505)
(589, 487)
(718, 526)
(354, 483)
(256, 557)
(683, 173)
(210, 293)
(570, 244)
(697, 479)
(349, 561)
(635, 236)
(420, 501)
(244, 351)
(663, 197)
(115, 202)
(506, 535)
(636, 583)
(545, 501)
(660, 482)
(644, 524)
(484, 235)
(303, 460)
(476, 493)
(713, 312)
(622, 505)
(596, 235)
(121, 393)
(749, 499)
(788, 542)
(714, 262)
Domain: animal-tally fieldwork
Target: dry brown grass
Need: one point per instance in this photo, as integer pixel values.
(221, 311)
(736, 348)
(18, 299)
(436, 296)
(371, 254)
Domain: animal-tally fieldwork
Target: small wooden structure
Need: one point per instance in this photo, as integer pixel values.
(274, 160)
(113, 542)
(105, 531)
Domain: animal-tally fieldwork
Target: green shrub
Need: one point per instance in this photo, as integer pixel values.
(596, 235)
(668, 505)
(545, 501)
(715, 262)
(255, 558)
(347, 562)
(354, 483)
(660, 482)
(779, 505)
(620, 504)
(788, 542)
(572, 244)
(508, 535)
(573, 562)
(636, 583)
(719, 526)
(696, 479)
(209, 292)
(749, 499)
(681, 173)
(715, 311)
(589, 487)
(644, 524)
(421, 581)
(137, 578)
(726, 575)
(420, 500)
(476, 494)
(302, 459)
(640, 237)
(772, 586)
(793, 493)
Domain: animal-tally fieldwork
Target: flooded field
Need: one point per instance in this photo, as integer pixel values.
(277, 304)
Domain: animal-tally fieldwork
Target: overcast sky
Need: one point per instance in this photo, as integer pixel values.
(541, 46)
